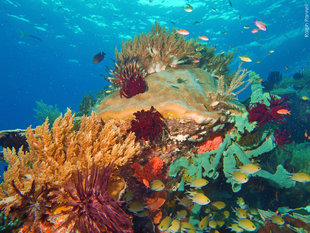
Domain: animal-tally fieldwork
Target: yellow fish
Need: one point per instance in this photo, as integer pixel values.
(186, 202)
(143, 213)
(213, 224)
(198, 49)
(187, 227)
(241, 202)
(220, 223)
(135, 206)
(199, 183)
(235, 227)
(239, 177)
(175, 226)
(157, 185)
(226, 214)
(249, 168)
(219, 205)
(241, 213)
(164, 224)
(276, 219)
(305, 97)
(203, 223)
(181, 214)
(246, 224)
(200, 199)
(245, 58)
(300, 177)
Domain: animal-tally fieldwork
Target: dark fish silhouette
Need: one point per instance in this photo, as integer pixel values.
(98, 57)
(34, 37)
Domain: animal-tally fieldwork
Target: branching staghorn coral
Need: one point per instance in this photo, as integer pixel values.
(55, 153)
(157, 49)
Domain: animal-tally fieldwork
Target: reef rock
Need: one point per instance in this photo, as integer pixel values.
(186, 94)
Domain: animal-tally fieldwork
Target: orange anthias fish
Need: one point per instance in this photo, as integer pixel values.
(260, 25)
(183, 32)
(203, 38)
(156, 200)
(284, 112)
(98, 57)
(255, 30)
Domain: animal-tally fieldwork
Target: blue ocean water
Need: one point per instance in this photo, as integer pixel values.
(53, 62)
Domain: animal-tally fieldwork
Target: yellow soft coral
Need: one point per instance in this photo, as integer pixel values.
(54, 154)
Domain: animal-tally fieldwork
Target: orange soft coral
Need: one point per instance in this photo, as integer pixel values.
(210, 144)
(149, 172)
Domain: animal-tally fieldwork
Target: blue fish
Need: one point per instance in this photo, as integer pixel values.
(34, 37)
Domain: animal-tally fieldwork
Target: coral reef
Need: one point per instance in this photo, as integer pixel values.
(177, 154)
(282, 138)
(199, 97)
(148, 125)
(89, 206)
(60, 151)
(86, 105)
(129, 77)
(273, 80)
(276, 111)
(149, 172)
(157, 49)
(8, 225)
(34, 206)
(44, 111)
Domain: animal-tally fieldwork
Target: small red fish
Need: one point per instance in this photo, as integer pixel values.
(183, 32)
(98, 57)
(255, 30)
(284, 112)
(260, 25)
(205, 38)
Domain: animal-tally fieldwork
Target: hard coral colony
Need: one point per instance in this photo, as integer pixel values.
(161, 157)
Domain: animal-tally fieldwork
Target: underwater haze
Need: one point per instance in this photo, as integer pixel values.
(52, 62)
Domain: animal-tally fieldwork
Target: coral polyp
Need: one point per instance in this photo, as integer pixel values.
(33, 207)
(279, 109)
(148, 125)
(282, 138)
(275, 112)
(129, 77)
(91, 209)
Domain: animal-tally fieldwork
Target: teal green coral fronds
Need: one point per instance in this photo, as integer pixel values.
(258, 96)
(44, 111)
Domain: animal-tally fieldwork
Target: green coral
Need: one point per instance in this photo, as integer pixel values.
(44, 111)
(258, 96)
(86, 105)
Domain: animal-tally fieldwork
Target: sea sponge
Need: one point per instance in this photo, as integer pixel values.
(189, 94)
